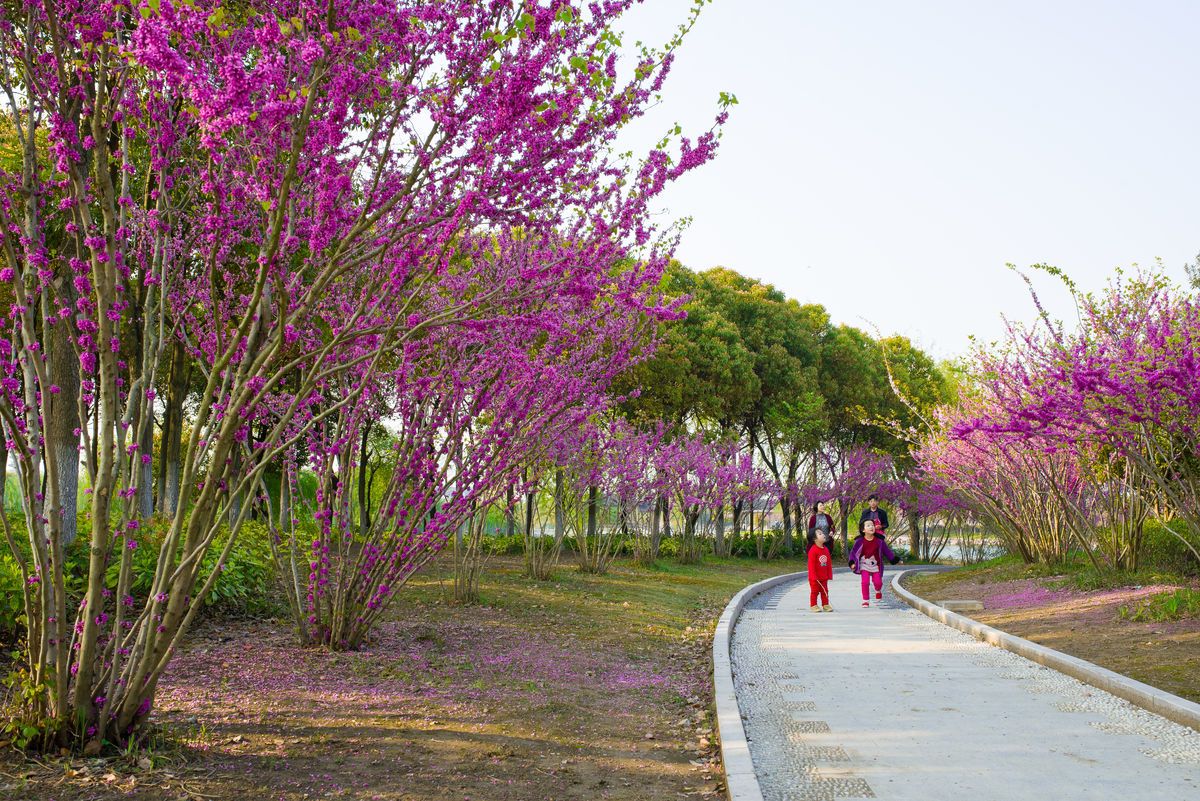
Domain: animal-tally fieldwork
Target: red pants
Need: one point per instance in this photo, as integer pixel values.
(818, 588)
(867, 578)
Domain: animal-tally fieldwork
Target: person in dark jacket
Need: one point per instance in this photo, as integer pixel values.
(875, 514)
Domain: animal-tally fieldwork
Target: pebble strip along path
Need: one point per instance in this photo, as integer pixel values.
(885, 702)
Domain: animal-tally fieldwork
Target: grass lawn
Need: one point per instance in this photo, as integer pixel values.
(1119, 621)
(586, 687)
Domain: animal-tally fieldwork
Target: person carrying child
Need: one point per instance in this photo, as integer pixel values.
(866, 559)
(820, 570)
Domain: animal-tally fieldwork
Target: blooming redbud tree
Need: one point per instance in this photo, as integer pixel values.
(1097, 424)
(300, 197)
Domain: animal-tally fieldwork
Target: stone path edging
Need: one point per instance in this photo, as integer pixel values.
(741, 783)
(1171, 707)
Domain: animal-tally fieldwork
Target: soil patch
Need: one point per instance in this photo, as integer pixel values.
(1085, 624)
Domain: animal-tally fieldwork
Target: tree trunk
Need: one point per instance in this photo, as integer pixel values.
(914, 533)
(844, 510)
(560, 526)
(510, 522)
(785, 505)
(591, 512)
(235, 498)
(62, 427)
(652, 550)
(285, 497)
(364, 509)
(719, 534)
(172, 436)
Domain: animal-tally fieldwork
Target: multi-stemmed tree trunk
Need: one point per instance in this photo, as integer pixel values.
(542, 551)
(469, 559)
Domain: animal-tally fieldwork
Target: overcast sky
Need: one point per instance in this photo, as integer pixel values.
(888, 158)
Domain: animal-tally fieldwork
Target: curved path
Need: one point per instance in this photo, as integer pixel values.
(885, 702)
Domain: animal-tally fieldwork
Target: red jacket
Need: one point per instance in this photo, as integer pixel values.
(820, 563)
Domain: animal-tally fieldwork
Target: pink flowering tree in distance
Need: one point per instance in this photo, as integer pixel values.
(1009, 481)
(308, 200)
(634, 484)
(692, 474)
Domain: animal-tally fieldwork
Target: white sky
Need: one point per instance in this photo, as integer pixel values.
(888, 158)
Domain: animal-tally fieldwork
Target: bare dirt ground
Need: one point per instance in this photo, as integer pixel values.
(583, 688)
(1086, 624)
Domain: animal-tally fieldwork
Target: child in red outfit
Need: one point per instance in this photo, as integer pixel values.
(820, 571)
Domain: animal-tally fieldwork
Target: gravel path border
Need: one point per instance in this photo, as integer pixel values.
(1160, 702)
(741, 782)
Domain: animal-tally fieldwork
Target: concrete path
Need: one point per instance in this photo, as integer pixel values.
(885, 702)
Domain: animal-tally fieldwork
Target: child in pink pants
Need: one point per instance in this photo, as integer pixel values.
(866, 559)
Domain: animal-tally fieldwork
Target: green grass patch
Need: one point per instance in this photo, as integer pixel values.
(1173, 605)
(637, 606)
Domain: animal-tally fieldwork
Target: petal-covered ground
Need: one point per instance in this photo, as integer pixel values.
(589, 687)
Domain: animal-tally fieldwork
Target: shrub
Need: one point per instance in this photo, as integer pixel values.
(245, 583)
(1162, 550)
(248, 576)
(12, 600)
(504, 544)
(668, 548)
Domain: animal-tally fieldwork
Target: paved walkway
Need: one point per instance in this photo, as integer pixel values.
(885, 702)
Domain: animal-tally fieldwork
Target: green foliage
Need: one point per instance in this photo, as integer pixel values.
(504, 544)
(701, 367)
(668, 548)
(1162, 550)
(244, 585)
(21, 721)
(747, 544)
(1173, 605)
(12, 600)
(1084, 576)
(245, 582)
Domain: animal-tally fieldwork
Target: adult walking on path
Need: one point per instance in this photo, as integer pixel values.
(875, 514)
(885, 702)
(818, 518)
